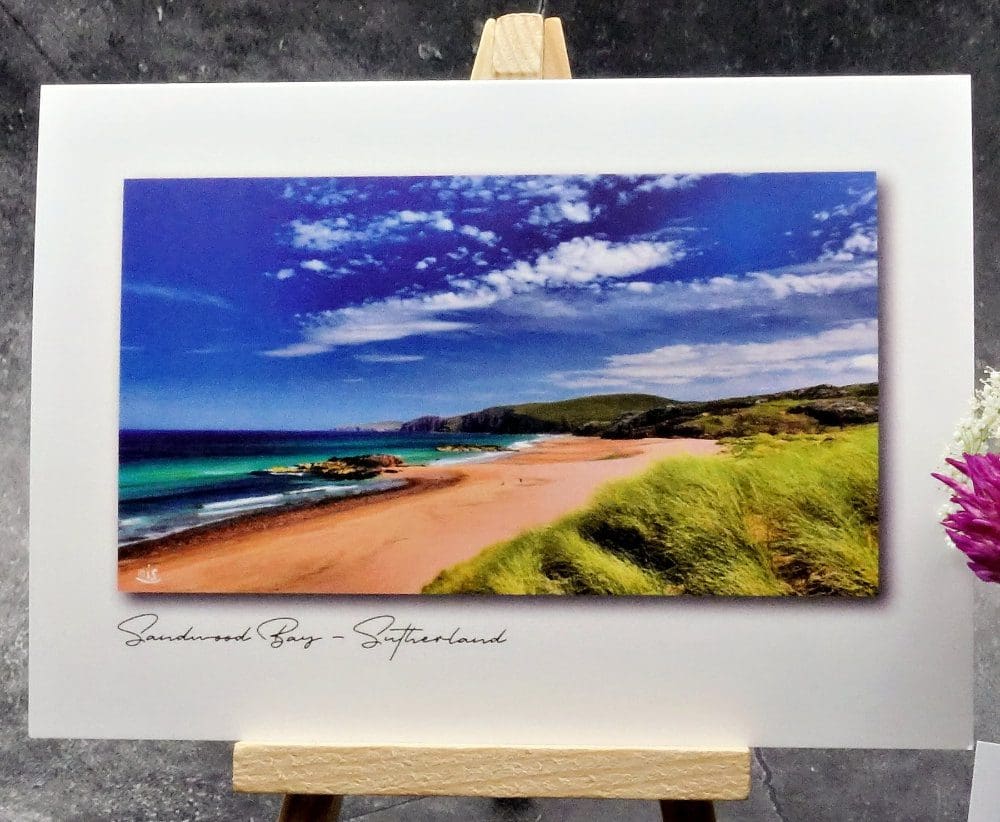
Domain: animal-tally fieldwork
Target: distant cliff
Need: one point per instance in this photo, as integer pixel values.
(500, 420)
(633, 416)
(590, 414)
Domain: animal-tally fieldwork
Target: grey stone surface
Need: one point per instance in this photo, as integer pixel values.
(182, 41)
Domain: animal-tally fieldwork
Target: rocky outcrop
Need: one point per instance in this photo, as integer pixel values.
(657, 422)
(365, 466)
(843, 411)
(423, 425)
(499, 420)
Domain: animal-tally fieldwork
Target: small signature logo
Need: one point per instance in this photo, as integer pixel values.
(148, 575)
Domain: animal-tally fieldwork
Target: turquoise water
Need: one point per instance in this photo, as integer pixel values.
(171, 481)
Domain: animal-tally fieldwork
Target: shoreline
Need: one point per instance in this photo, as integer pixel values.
(268, 517)
(394, 541)
(239, 522)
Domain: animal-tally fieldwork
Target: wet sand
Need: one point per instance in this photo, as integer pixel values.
(398, 541)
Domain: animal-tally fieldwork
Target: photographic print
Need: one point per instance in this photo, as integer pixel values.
(661, 384)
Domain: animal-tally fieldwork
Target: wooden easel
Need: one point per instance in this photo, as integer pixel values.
(315, 778)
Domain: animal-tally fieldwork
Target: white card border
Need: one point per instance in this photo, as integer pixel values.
(891, 673)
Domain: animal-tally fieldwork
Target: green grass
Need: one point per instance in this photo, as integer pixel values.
(601, 408)
(786, 515)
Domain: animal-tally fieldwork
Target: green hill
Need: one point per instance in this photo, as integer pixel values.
(808, 410)
(599, 408)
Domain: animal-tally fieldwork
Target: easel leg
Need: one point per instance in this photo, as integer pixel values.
(675, 810)
(298, 807)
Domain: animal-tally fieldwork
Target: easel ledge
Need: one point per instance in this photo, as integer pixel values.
(316, 777)
(495, 771)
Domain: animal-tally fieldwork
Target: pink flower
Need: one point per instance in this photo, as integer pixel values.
(975, 526)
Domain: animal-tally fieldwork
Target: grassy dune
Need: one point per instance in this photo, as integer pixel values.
(788, 515)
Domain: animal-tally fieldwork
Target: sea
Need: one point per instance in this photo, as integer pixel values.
(173, 481)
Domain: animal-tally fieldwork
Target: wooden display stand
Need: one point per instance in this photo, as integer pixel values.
(315, 778)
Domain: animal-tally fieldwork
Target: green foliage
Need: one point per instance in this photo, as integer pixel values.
(787, 515)
(600, 408)
(770, 417)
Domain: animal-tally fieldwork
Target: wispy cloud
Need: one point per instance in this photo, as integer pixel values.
(862, 198)
(830, 355)
(669, 182)
(280, 274)
(177, 295)
(577, 263)
(663, 182)
(330, 192)
(647, 304)
(389, 358)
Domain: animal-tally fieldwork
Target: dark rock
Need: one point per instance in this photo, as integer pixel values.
(498, 420)
(843, 411)
(365, 466)
(372, 460)
(422, 425)
(657, 422)
(462, 448)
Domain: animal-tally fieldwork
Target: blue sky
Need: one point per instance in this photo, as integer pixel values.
(318, 303)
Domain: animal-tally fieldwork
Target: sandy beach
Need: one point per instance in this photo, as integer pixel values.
(396, 542)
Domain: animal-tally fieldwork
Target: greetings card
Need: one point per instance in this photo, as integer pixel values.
(301, 351)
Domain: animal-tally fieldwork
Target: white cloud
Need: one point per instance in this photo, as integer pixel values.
(585, 260)
(551, 187)
(759, 289)
(669, 182)
(407, 216)
(486, 237)
(177, 295)
(819, 283)
(425, 263)
(861, 199)
(314, 265)
(664, 182)
(321, 235)
(563, 211)
(281, 274)
(863, 242)
(324, 192)
(846, 351)
(580, 262)
(330, 233)
(389, 358)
